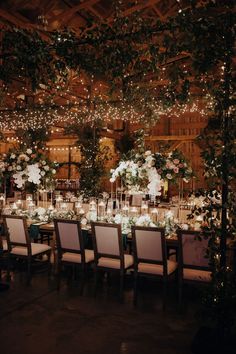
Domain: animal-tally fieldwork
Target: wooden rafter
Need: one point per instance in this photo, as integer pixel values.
(171, 137)
(19, 22)
(135, 8)
(65, 16)
(159, 14)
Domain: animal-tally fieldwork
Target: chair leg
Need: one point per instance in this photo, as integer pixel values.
(180, 294)
(28, 271)
(95, 280)
(8, 267)
(135, 288)
(164, 294)
(121, 285)
(84, 273)
(49, 263)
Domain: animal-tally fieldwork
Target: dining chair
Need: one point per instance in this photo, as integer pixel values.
(70, 246)
(3, 251)
(193, 265)
(109, 251)
(150, 257)
(136, 200)
(19, 245)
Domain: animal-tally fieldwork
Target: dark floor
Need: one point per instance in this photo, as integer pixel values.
(39, 319)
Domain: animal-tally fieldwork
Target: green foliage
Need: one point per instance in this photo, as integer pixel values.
(94, 157)
(195, 43)
(32, 137)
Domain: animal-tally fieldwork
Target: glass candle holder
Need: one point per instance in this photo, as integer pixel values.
(154, 214)
(144, 207)
(133, 212)
(101, 209)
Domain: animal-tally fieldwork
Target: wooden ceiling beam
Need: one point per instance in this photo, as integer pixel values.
(14, 20)
(65, 16)
(95, 12)
(171, 137)
(159, 14)
(19, 22)
(135, 8)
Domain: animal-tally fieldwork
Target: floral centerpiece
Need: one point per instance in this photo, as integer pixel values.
(146, 172)
(28, 167)
(47, 214)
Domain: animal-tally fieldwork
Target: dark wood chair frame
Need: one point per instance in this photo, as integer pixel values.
(97, 255)
(137, 260)
(181, 264)
(29, 256)
(61, 250)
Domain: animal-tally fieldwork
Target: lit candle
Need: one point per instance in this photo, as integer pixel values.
(154, 214)
(144, 209)
(101, 209)
(133, 211)
(109, 212)
(14, 207)
(19, 203)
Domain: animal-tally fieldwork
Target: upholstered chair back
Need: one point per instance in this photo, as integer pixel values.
(67, 232)
(148, 244)
(16, 229)
(107, 239)
(194, 250)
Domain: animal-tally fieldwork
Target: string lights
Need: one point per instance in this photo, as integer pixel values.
(103, 111)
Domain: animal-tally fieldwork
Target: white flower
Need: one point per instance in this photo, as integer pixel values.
(18, 179)
(28, 151)
(33, 172)
(46, 168)
(118, 219)
(169, 176)
(22, 157)
(40, 211)
(84, 221)
(18, 167)
(148, 152)
(27, 158)
(53, 171)
(169, 214)
(10, 168)
(155, 182)
(42, 173)
(43, 162)
(13, 156)
(144, 220)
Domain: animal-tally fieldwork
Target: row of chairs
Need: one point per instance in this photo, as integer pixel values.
(149, 256)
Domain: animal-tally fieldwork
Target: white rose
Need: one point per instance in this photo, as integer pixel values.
(29, 151)
(147, 153)
(27, 158)
(42, 173)
(18, 167)
(169, 176)
(13, 156)
(43, 162)
(53, 172)
(46, 168)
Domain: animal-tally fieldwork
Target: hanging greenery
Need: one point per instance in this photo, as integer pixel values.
(131, 54)
(93, 158)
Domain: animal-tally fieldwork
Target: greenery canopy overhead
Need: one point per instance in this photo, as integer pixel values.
(129, 53)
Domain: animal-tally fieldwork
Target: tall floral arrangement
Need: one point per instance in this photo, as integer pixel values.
(146, 171)
(28, 167)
